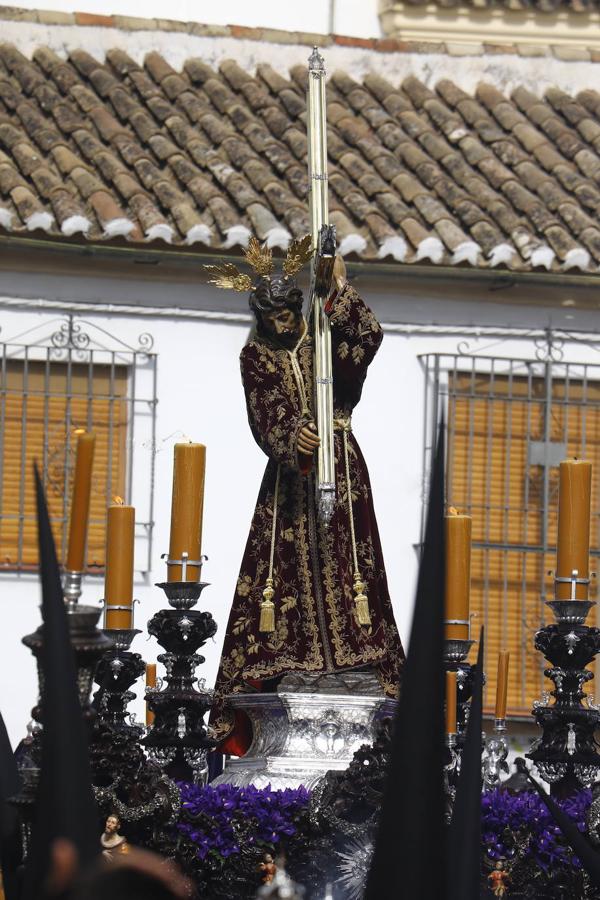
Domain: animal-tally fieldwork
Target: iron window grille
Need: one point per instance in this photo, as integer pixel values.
(509, 422)
(56, 377)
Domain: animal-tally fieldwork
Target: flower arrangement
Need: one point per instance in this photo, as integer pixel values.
(222, 820)
(507, 818)
(224, 832)
(519, 832)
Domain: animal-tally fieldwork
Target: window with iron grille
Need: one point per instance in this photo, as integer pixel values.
(509, 423)
(73, 376)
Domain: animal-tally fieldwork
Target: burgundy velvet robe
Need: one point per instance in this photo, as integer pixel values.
(316, 629)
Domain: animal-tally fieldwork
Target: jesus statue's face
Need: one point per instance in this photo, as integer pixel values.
(283, 325)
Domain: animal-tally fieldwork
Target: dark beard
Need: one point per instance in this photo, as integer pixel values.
(290, 339)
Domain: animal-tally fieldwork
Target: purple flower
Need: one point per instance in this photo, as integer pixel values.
(220, 819)
(523, 819)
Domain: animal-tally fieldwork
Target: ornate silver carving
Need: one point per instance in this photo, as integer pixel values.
(185, 626)
(196, 758)
(570, 612)
(353, 863)
(551, 771)
(311, 725)
(122, 638)
(162, 757)
(593, 820)
(587, 775)
(455, 650)
(326, 504)
(72, 586)
(316, 63)
(544, 700)
(571, 739)
(495, 756)
(115, 666)
(571, 640)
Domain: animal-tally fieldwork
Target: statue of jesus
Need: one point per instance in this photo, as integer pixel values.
(311, 597)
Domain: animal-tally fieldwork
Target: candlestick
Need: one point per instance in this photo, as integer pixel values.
(573, 544)
(80, 501)
(186, 511)
(458, 574)
(451, 702)
(118, 584)
(150, 683)
(502, 684)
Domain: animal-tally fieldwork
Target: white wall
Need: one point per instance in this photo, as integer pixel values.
(350, 17)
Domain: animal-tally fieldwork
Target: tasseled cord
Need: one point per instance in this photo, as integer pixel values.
(361, 601)
(267, 607)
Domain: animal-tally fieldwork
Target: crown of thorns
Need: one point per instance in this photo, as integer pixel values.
(260, 258)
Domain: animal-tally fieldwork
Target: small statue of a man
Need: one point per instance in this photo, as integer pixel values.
(268, 869)
(498, 880)
(112, 842)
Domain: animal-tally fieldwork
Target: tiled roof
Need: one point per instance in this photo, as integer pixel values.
(202, 156)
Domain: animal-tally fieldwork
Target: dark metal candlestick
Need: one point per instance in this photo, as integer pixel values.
(114, 748)
(178, 740)
(566, 754)
(89, 644)
(455, 654)
(125, 781)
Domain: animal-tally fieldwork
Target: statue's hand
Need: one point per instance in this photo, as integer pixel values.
(308, 439)
(339, 271)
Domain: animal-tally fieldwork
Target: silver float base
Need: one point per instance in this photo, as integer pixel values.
(311, 725)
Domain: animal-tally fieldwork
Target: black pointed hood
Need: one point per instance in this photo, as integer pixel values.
(66, 807)
(464, 839)
(410, 843)
(10, 835)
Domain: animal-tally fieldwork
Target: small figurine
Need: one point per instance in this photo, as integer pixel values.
(498, 880)
(268, 868)
(277, 884)
(113, 842)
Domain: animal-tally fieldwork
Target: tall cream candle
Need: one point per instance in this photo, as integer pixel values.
(458, 574)
(118, 584)
(186, 508)
(573, 543)
(80, 501)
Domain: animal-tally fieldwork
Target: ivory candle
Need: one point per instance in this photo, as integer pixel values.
(451, 703)
(80, 501)
(458, 574)
(118, 584)
(502, 684)
(573, 544)
(186, 509)
(150, 682)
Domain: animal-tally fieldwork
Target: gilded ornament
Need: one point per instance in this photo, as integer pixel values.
(298, 254)
(229, 277)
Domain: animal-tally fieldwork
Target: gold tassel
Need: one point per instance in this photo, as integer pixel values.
(267, 609)
(361, 601)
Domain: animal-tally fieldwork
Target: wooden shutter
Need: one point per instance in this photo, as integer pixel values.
(492, 421)
(42, 404)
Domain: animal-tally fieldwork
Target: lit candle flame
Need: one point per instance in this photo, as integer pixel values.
(118, 501)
